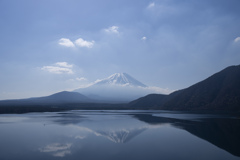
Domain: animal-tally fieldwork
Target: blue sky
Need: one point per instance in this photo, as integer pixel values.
(53, 45)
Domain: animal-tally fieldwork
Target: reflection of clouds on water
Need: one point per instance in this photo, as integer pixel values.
(12, 119)
(103, 135)
(118, 128)
(57, 149)
(62, 153)
(80, 137)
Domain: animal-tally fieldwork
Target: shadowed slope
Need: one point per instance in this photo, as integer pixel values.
(221, 91)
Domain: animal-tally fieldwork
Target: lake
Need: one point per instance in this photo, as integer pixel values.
(118, 135)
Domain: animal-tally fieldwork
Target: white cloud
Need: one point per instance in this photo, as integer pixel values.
(237, 39)
(98, 80)
(113, 29)
(78, 79)
(79, 42)
(163, 9)
(151, 5)
(81, 79)
(144, 38)
(83, 43)
(64, 64)
(59, 68)
(66, 42)
(159, 90)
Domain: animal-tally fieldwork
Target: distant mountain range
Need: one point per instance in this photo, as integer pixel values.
(119, 87)
(221, 91)
(122, 79)
(57, 98)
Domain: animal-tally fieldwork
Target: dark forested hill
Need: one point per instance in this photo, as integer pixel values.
(57, 98)
(221, 91)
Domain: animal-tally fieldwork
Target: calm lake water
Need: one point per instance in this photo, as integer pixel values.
(118, 135)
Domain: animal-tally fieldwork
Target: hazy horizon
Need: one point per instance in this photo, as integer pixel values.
(57, 45)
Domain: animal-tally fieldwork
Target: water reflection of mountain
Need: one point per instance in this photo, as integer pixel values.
(222, 132)
(121, 136)
(67, 118)
(118, 132)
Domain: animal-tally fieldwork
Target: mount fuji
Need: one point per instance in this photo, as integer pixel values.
(119, 87)
(122, 79)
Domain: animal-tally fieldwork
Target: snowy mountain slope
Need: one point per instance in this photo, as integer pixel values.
(120, 79)
(119, 87)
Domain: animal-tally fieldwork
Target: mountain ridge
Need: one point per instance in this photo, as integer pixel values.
(221, 91)
(118, 87)
(56, 98)
(120, 79)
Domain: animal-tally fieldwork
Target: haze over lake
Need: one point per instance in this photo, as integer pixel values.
(119, 80)
(119, 135)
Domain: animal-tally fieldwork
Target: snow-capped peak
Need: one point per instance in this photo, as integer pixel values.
(120, 79)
